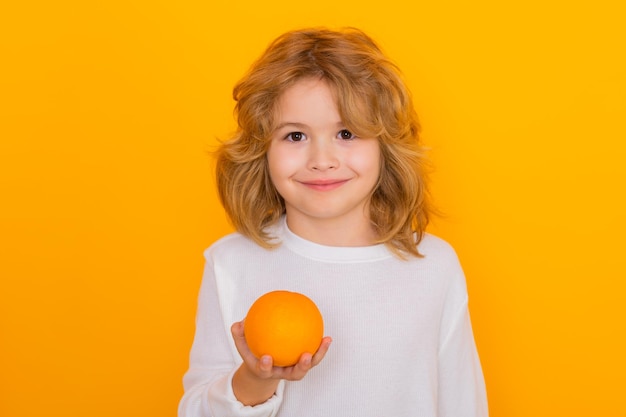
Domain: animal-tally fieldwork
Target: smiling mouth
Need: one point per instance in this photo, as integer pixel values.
(324, 185)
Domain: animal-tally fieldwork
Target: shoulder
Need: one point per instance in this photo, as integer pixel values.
(233, 242)
(435, 247)
(238, 246)
(440, 256)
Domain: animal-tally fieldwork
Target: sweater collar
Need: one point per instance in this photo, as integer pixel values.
(337, 254)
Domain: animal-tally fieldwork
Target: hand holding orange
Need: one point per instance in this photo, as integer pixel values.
(284, 325)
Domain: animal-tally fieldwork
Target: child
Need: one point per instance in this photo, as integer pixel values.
(324, 181)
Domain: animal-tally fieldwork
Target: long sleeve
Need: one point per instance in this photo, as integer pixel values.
(213, 361)
(461, 391)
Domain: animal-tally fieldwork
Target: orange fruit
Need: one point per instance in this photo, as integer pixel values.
(284, 325)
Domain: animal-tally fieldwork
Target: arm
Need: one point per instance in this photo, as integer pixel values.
(213, 361)
(218, 383)
(461, 385)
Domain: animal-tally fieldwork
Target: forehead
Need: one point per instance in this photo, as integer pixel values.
(308, 99)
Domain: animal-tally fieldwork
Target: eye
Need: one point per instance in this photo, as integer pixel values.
(295, 136)
(345, 134)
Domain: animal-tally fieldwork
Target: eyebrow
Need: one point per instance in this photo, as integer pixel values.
(302, 125)
(289, 124)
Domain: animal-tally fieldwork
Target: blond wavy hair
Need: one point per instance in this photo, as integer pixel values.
(372, 100)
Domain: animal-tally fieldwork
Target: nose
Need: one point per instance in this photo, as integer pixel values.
(322, 156)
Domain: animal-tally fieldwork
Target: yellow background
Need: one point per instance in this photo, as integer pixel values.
(107, 110)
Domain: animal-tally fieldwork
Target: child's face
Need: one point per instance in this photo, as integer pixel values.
(321, 169)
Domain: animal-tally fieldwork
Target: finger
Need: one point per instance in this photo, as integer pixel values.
(237, 328)
(261, 367)
(240, 342)
(238, 337)
(265, 366)
(321, 351)
(300, 369)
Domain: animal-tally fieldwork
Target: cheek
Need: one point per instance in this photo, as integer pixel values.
(280, 163)
(367, 160)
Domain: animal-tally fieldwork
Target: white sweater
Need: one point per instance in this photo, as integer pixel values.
(402, 338)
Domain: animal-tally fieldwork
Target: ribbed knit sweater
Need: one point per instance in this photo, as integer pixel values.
(402, 338)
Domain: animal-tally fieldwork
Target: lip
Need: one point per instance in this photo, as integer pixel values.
(324, 185)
